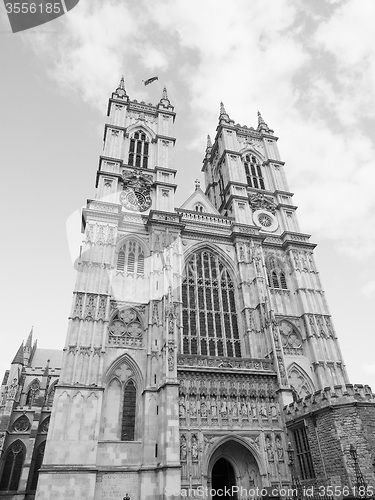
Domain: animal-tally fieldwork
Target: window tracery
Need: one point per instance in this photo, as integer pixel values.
(131, 258)
(210, 325)
(33, 393)
(276, 274)
(22, 424)
(126, 328)
(12, 467)
(253, 172)
(139, 150)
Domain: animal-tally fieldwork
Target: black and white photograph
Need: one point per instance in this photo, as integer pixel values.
(188, 249)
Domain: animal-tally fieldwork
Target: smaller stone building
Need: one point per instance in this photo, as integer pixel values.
(324, 427)
(27, 393)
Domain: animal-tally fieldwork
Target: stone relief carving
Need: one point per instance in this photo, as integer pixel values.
(126, 329)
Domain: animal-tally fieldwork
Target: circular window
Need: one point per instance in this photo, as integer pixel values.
(265, 220)
(22, 424)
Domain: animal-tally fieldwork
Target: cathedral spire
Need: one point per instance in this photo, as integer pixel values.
(223, 116)
(262, 125)
(29, 341)
(18, 358)
(164, 101)
(121, 91)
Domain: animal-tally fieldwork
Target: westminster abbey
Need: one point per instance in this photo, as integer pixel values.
(200, 351)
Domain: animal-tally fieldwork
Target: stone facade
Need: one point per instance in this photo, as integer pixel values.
(27, 395)
(192, 328)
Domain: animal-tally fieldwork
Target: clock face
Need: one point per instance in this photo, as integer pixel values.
(137, 201)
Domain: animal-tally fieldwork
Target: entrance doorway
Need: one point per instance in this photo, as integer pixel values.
(223, 479)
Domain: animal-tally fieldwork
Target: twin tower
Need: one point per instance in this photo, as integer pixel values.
(200, 344)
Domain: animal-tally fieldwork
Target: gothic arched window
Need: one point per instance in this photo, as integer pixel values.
(13, 467)
(139, 150)
(38, 461)
(51, 394)
(33, 393)
(22, 424)
(253, 172)
(131, 258)
(276, 275)
(128, 412)
(209, 310)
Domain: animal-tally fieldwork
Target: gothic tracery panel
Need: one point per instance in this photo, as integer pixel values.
(126, 329)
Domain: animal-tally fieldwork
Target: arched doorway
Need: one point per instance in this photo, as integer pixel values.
(233, 463)
(223, 479)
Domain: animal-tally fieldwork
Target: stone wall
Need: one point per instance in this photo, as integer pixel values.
(335, 419)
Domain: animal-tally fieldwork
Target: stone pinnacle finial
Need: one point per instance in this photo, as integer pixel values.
(121, 91)
(29, 340)
(165, 95)
(197, 184)
(18, 358)
(223, 114)
(209, 142)
(262, 125)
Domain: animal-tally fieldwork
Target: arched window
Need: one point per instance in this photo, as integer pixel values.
(33, 393)
(276, 275)
(253, 172)
(209, 311)
(128, 412)
(22, 424)
(139, 150)
(38, 461)
(13, 467)
(51, 394)
(131, 258)
(199, 207)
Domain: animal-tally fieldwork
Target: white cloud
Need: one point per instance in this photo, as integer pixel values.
(253, 55)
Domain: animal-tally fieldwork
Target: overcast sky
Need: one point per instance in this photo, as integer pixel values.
(307, 65)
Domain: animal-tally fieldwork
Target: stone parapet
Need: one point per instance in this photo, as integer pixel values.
(330, 396)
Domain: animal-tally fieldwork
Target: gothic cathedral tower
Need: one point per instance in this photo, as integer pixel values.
(190, 327)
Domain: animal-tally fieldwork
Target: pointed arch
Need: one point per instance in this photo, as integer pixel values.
(13, 464)
(291, 338)
(131, 255)
(249, 446)
(122, 409)
(299, 380)
(32, 392)
(140, 137)
(36, 465)
(210, 323)
(252, 161)
(22, 424)
(276, 272)
(51, 393)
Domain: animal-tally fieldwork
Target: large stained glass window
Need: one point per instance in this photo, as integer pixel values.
(209, 310)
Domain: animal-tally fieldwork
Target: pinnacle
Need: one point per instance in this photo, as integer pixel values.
(29, 340)
(209, 142)
(121, 91)
(18, 358)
